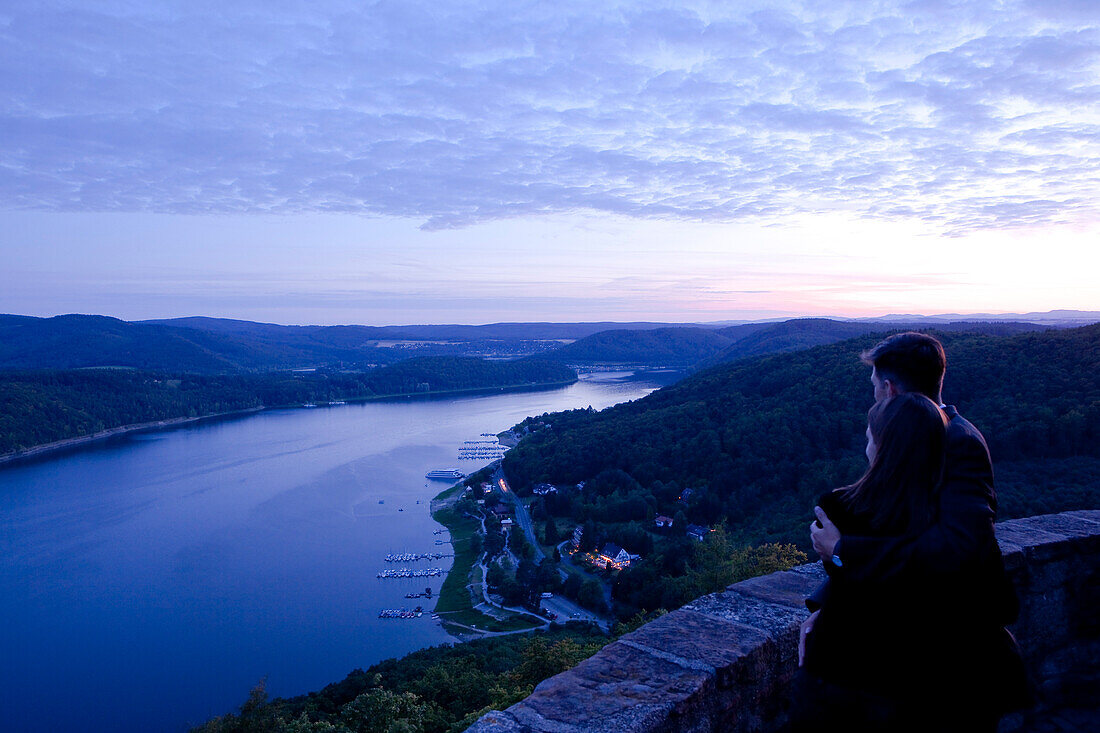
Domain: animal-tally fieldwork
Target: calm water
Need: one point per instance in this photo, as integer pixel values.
(149, 583)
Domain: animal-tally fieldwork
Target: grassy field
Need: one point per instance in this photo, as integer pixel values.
(454, 596)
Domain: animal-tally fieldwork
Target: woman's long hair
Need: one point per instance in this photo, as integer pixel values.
(897, 493)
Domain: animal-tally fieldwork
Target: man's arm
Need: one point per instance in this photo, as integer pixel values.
(953, 544)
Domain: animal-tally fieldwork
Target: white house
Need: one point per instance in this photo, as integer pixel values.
(613, 556)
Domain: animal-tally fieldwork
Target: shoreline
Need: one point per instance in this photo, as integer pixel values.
(45, 450)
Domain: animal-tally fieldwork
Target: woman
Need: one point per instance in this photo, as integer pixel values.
(893, 656)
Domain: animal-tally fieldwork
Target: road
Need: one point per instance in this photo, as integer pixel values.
(522, 517)
(566, 609)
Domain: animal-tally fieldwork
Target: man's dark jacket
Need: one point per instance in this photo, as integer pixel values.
(949, 581)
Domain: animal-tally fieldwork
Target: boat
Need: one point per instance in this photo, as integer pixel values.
(444, 474)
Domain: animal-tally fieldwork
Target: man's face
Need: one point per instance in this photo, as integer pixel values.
(882, 387)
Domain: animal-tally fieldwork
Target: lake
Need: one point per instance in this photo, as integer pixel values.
(149, 582)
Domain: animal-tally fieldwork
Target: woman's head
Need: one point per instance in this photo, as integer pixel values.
(906, 435)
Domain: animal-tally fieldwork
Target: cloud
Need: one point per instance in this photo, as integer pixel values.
(457, 113)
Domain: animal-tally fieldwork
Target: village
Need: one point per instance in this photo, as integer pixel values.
(553, 571)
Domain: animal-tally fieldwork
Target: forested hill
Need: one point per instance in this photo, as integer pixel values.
(802, 333)
(453, 331)
(700, 348)
(758, 440)
(655, 347)
(77, 341)
(223, 346)
(45, 406)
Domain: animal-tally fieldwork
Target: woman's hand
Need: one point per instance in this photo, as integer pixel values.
(803, 632)
(823, 534)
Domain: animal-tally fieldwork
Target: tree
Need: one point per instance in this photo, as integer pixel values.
(382, 711)
(588, 537)
(495, 575)
(494, 543)
(591, 597)
(679, 522)
(550, 535)
(716, 563)
(571, 588)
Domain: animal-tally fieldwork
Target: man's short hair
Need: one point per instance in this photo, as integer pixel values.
(913, 362)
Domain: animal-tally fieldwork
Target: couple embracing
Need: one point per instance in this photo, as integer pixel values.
(908, 632)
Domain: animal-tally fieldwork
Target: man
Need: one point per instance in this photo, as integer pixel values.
(915, 362)
(958, 552)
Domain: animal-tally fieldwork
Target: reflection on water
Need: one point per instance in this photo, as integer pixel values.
(147, 584)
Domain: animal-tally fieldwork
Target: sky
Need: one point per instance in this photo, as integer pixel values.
(471, 162)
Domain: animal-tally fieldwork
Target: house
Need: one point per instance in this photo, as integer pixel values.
(614, 557)
(696, 532)
(577, 534)
(502, 510)
(506, 522)
(686, 494)
(544, 489)
(663, 521)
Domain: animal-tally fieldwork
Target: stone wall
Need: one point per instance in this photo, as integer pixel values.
(725, 661)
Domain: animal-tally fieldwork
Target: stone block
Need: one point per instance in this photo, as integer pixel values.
(1043, 623)
(775, 620)
(812, 569)
(1054, 575)
(719, 647)
(1084, 531)
(621, 688)
(496, 722)
(1035, 543)
(785, 588)
(1089, 515)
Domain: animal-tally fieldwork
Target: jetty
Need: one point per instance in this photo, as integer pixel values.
(410, 573)
(401, 613)
(415, 556)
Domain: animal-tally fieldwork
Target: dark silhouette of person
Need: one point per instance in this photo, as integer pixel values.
(917, 599)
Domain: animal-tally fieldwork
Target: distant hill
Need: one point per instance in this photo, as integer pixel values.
(803, 333)
(221, 346)
(701, 348)
(1060, 318)
(77, 341)
(659, 346)
(456, 332)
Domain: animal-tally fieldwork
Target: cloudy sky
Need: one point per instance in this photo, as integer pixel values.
(445, 161)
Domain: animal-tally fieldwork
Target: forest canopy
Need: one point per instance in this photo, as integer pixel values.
(755, 441)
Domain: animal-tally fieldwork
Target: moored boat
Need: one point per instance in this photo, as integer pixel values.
(445, 474)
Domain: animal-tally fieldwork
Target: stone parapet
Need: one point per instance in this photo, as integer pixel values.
(725, 661)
